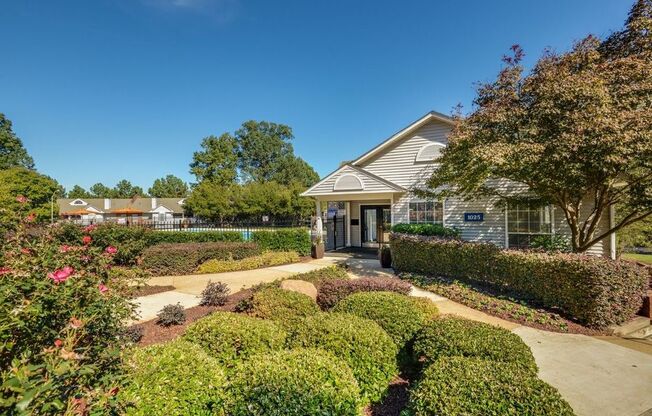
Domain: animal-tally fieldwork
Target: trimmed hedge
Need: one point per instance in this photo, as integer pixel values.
(283, 306)
(177, 378)
(399, 315)
(360, 342)
(301, 382)
(452, 336)
(159, 237)
(426, 229)
(267, 259)
(317, 277)
(332, 291)
(474, 387)
(595, 291)
(292, 239)
(184, 258)
(230, 337)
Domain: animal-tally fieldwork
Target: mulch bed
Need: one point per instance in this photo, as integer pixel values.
(156, 334)
(395, 400)
(151, 290)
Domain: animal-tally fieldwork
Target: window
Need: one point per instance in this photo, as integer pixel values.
(431, 212)
(524, 223)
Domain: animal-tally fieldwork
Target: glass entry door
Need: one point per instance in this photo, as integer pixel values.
(375, 219)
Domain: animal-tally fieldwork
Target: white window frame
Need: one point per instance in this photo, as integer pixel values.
(416, 201)
(507, 233)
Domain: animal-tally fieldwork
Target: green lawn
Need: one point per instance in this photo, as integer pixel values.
(643, 258)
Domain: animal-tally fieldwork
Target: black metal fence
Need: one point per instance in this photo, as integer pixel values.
(194, 225)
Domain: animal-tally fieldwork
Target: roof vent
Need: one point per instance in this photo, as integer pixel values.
(429, 152)
(348, 182)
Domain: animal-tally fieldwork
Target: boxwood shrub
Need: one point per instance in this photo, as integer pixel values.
(595, 291)
(452, 336)
(184, 258)
(267, 259)
(332, 291)
(291, 239)
(301, 382)
(399, 315)
(317, 277)
(177, 378)
(426, 229)
(230, 337)
(360, 342)
(474, 387)
(283, 306)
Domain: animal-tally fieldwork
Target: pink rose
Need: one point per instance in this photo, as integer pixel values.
(61, 275)
(87, 239)
(90, 228)
(110, 250)
(21, 199)
(75, 323)
(25, 250)
(65, 248)
(30, 218)
(58, 343)
(102, 287)
(4, 270)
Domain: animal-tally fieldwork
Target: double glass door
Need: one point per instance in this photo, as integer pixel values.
(376, 222)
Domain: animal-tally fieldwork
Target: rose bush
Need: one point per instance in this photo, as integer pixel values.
(62, 315)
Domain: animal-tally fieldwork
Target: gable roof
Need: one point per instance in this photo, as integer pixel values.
(432, 115)
(368, 179)
(135, 205)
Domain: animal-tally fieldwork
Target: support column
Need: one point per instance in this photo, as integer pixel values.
(347, 224)
(318, 208)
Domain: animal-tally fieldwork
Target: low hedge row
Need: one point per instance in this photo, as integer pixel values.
(451, 336)
(184, 258)
(454, 386)
(267, 259)
(399, 315)
(294, 382)
(361, 343)
(317, 277)
(334, 290)
(282, 306)
(175, 379)
(231, 337)
(159, 237)
(595, 291)
(426, 229)
(292, 239)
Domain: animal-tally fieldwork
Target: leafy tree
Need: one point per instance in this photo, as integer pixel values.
(263, 146)
(213, 201)
(12, 152)
(292, 169)
(78, 192)
(217, 161)
(39, 191)
(169, 187)
(576, 131)
(124, 189)
(99, 190)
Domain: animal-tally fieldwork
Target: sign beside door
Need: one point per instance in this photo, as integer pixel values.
(473, 216)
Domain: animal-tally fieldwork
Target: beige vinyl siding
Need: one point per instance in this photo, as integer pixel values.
(370, 184)
(491, 230)
(397, 164)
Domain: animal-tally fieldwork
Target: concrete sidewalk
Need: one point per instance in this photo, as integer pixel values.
(596, 375)
(189, 287)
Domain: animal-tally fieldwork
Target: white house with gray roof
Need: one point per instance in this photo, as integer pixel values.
(121, 210)
(376, 190)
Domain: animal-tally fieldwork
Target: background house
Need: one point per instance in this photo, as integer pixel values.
(121, 210)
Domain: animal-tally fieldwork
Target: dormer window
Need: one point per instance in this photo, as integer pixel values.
(348, 182)
(78, 202)
(429, 152)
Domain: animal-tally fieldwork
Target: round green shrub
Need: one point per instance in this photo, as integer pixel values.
(176, 379)
(230, 337)
(283, 306)
(301, 382)
(454, 386)
(451, 336)
(360, 342)
(399, 315)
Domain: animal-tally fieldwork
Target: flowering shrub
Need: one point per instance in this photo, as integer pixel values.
(61, 317)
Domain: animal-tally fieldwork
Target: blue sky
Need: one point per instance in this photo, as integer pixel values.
(107, 89)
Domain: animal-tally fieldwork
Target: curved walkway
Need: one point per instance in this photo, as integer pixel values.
(595, 376)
